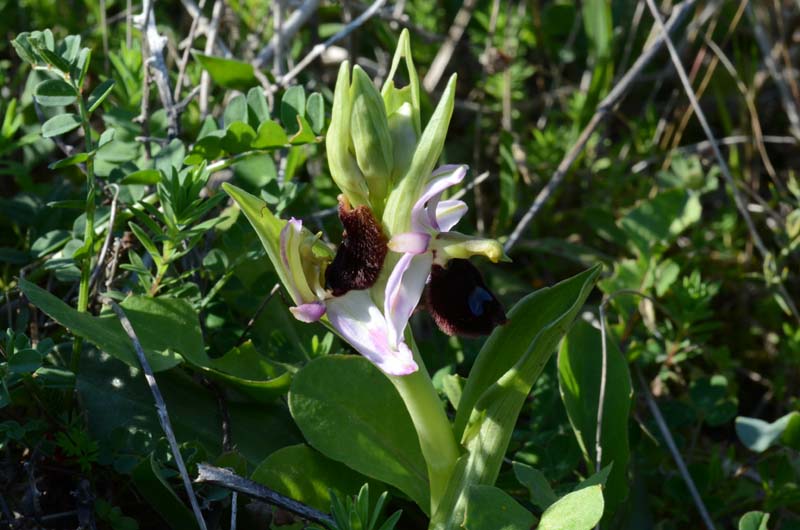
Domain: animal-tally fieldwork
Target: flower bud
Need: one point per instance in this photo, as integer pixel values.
(372, 141)
(343, 165)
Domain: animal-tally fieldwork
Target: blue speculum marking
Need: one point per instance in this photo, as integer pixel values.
(477, 297)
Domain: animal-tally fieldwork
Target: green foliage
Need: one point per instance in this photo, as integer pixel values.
(89, 161)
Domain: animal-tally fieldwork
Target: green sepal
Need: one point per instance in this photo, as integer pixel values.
(397, 216)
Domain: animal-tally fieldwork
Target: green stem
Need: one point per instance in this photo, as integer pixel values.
(88, 234)
(436, 439)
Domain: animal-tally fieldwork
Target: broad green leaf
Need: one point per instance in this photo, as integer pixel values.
(315, 111)
(117, 397)
(579, 367)
(305, 475)
(579, 510)
(236, 75)
(350, 412)
(208, 147)
(269, 134)
(754, 521)
(142, 176)
(160, 495)
(238, 137)
(490, 508)
(74, 160)
(293, 103)
(504, 372)
(758, 435)
(166, 327)
(250, 372)
(55, 93)
(541, 494)
(61, 124)
(235, 110)
(99, 94)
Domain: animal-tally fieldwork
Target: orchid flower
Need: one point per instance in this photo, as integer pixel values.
(430, 245)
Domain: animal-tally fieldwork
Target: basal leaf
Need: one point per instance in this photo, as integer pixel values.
(350, 412)
(305, 475)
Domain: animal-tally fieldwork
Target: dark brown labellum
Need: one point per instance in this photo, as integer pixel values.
(460, 302)
(360, 256)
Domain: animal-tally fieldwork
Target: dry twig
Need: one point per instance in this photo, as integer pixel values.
(161, 407)
(228, 479)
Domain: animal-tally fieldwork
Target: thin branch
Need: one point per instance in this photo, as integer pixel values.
(724, 169)
(104, 249)
(601, 398)
(161, 407)
(153, 46)
(673, 449)
(257, 314)
(603, 109)
(289, 29)
(207, 474)
(185, 57)
(211, 37)
(319, 49)
(446, 50)
(788, 103)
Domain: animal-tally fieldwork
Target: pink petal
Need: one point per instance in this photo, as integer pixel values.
(308, 312)
(449, 213)
(410, 242)
(403, 291)
(424, 219)
(359, 321)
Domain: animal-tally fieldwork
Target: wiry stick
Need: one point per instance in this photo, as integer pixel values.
(104, 249)
(786, 98)
(211, 36)
(289, 28)
(230, 480)
(161, 407)
(448, 47)
(673, 449)
(153, 48)
(603, 109)
(319, 49)
(723, 165)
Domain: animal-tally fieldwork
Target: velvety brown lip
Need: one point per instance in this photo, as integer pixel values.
(360, 256)
(460, 302)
